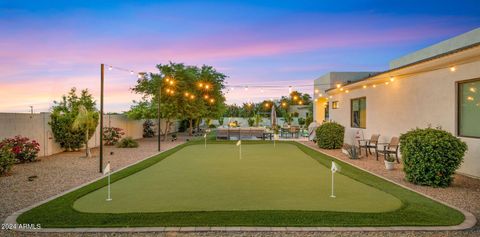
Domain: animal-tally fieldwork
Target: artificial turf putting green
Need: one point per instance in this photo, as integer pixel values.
(416, 210)
(216, 179)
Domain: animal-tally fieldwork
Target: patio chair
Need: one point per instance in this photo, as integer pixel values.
(390, 148)
(294, 130)
(369, 144)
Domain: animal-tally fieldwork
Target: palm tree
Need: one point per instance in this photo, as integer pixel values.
(85, 120)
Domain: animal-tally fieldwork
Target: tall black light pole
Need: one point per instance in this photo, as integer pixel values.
(159, 128)
(102, 77)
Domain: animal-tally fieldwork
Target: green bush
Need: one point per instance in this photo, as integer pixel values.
(431, 156)
(251, 122)
(301, 121)
(330, 135)
(7, 158)
(127, 142)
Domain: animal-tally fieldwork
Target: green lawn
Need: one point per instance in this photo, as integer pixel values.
(215, 179)
(288, 185)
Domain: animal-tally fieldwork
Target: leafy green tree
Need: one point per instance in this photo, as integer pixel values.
(187, 92)
(85, 121)
(63, 116)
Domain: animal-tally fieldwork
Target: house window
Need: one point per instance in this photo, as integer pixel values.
(469, 108)
(334, 104)
(359, 113)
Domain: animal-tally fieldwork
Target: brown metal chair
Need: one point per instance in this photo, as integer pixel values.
(390, 148)
(368, 144)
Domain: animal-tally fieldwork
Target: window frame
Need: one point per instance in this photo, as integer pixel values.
(351, 112)
(335, 103)
(458, 93)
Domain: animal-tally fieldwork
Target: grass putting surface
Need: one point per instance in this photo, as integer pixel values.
(216, 179)
(286, 186)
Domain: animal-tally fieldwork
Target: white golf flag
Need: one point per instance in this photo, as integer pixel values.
(205, 135)
(275, 136)
(334, 167)
(107, 169)
(239, 142)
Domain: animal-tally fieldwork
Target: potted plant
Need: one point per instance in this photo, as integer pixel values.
(389, 162)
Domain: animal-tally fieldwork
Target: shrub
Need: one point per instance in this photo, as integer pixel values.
(127, 142)
(251, 122)
(221, 120)
(111, 135)
(148, 128)
(301, 121)
(212, 126)
(330, 135)
(63, 115)
(431, 156)
(23, 149)
(7, 158)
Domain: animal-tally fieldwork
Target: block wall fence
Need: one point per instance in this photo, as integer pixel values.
(35, 126)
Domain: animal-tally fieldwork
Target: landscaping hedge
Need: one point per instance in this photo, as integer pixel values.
(431, 156)
(330, 135)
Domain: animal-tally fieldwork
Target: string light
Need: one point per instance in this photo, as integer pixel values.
(386, 83)
(339, 85)
(392, 79)
(300, 102)
(374, 86)
(316, 90)
(364, 86)
(205, 96)
(347, 91)
(207, 87)
(289, 89)
(316, 100)
(200, 84)
(110, 68)
(192, 97)
(319, 95)
(212, 100)
(452, 69)
(341, 89)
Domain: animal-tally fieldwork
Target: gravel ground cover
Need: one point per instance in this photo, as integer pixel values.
(63, 171)
(463, 193)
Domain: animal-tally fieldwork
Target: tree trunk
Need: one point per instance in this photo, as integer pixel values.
(88, 154)
(191, 127)
(167, 129)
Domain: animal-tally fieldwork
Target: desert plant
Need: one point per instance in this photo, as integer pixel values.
(85, 121)
(148, 128)
(353, 151)
(127, 142)
(23, 149)
(330, 135)
(111, 135)
(7, 158)
(430, 156)
(251, 122)
(63, 115)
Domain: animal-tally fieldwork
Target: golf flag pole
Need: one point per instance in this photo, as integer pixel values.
(275, 137)
(105, 171)
(334, 169)
(239, 144)
(205, 138)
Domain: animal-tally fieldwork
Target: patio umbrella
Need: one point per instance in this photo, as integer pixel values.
(273, 117)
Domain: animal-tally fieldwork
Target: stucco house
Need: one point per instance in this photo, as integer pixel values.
(435, 86)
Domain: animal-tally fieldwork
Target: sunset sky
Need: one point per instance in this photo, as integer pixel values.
(47, 47)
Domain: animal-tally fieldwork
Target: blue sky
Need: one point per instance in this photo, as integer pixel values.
(50, 46)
